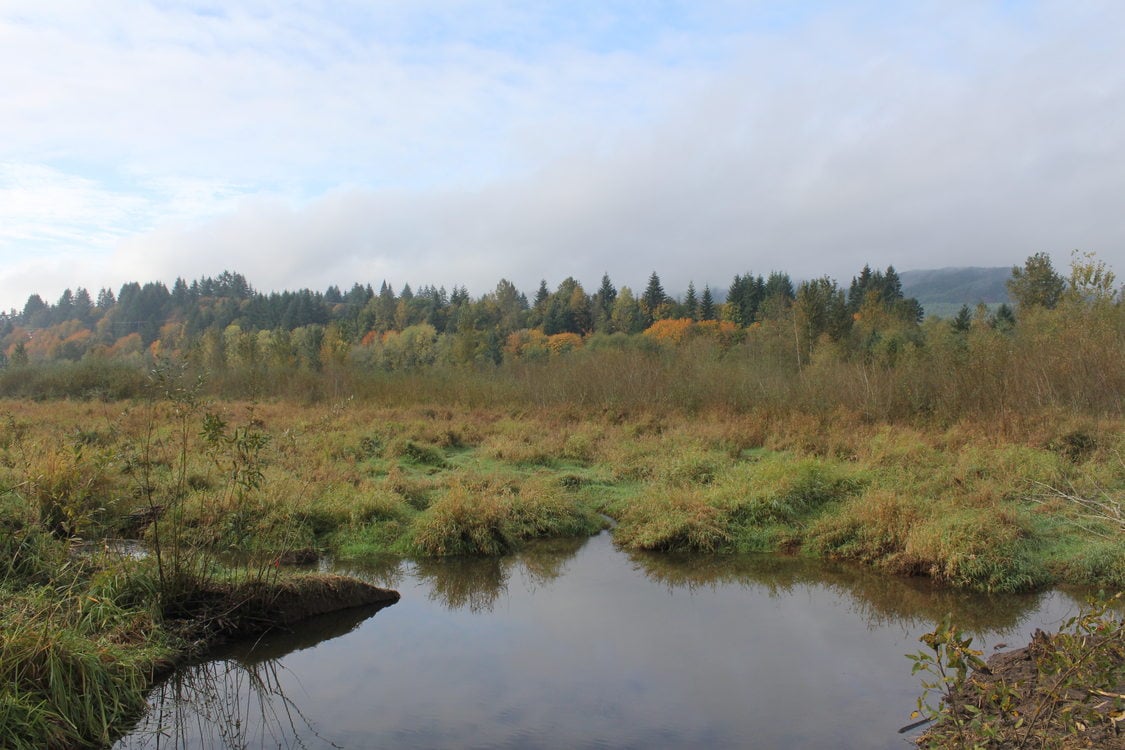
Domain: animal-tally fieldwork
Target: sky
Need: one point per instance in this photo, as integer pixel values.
(449, 142)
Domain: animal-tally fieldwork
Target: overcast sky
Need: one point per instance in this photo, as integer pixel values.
(451, 142)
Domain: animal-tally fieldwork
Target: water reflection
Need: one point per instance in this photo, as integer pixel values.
(575, 643)
(878, 598)
(475, 584)
(223, 704)
(238, 698)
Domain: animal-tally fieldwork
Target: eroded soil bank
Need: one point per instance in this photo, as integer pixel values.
(219, 612)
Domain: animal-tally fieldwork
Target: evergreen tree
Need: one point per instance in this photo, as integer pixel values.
(691, 304)
(603, 304)
(882, 291)
(963, 321)
(539, 307)
(64, 308)
(652, 299)
(233, 285)
(779, 287)
(83, 306)
(859, 288)
(36, 313)
(892, 285)
(706, 305)
(744, 299)
(654, 295)
(385, 305)
(820, 310)
(181, 294)
(542, 294)
(568, 310)
(909, 310)
(356, 297)
(1004, 319)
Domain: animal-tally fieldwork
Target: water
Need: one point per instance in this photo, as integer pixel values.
(577, 644)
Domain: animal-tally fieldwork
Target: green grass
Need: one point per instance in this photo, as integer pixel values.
(77, 653)
(479, 515)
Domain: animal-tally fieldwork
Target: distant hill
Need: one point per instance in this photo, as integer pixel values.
(942, 291)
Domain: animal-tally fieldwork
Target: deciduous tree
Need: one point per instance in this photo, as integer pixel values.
(1036, 284)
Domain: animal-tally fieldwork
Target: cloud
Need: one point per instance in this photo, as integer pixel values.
(452, 145)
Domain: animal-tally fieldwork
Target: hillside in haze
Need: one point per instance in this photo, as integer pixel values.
(942, 291)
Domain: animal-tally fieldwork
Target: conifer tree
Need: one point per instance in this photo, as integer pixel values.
(963, 321)
(83, 305)
(603, 304)
(691, 304)
(539, 306)
(652, 299)
(779, 287)
(706, 305)
(744, 299)
(892, 285)
(858, 290)
(1004, 319)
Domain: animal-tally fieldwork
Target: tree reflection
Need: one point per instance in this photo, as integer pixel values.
(464, 583)
(477, 583)
(545, 561)
(878, 597)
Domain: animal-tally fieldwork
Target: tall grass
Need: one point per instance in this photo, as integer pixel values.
(70, 674)
(479, 517)
(77, 650)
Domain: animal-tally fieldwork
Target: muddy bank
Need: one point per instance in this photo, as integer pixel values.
(298, 598)
(219, 612)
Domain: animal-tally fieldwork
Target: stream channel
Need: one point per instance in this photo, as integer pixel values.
(577, 644)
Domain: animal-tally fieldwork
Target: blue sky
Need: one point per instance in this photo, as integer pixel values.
(445, 142)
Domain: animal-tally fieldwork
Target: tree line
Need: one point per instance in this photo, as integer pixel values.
(223, 321)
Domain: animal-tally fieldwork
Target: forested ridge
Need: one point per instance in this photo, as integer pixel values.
(811, 347)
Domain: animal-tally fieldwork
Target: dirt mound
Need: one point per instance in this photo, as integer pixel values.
(299, 598)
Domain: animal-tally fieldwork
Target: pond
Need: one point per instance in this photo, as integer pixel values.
(577, 644)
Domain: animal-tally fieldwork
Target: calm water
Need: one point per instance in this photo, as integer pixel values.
(578, 644)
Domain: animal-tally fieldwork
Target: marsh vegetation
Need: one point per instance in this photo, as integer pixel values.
(983, 454)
